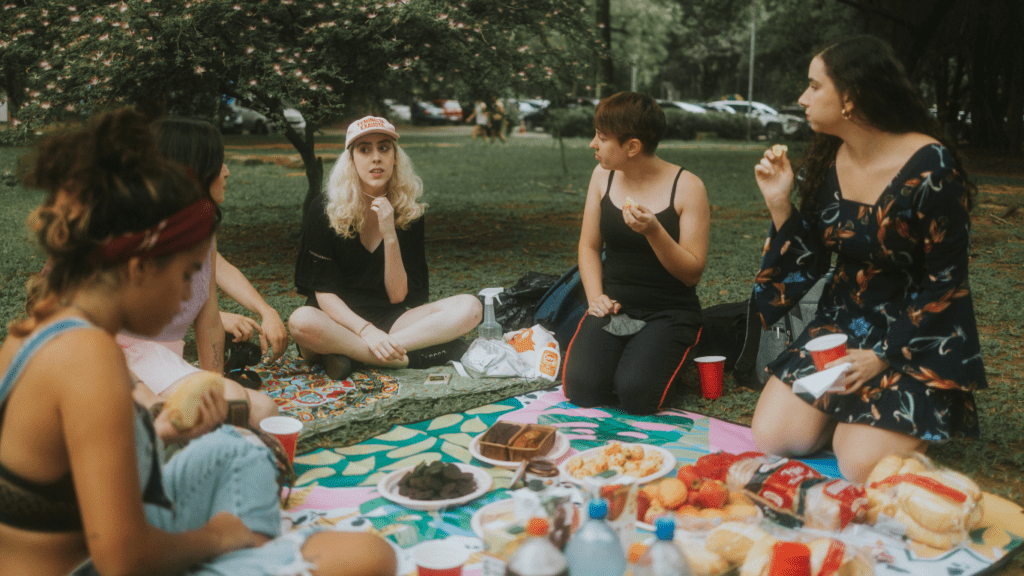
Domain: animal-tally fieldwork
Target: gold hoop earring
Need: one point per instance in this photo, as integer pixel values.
(846, 114)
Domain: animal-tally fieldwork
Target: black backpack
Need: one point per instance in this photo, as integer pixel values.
(562, 307)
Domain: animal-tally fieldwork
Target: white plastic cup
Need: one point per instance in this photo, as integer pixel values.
(440, 558)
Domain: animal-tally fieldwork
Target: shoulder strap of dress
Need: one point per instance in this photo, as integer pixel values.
(672, 199)
(609, 188)
(31, 346)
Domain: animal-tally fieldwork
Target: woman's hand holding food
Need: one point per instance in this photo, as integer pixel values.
(212, 410)
(385, 216)
(774, 176)
(381, 344)
(864, 365)
(603, 305)
(640, 219)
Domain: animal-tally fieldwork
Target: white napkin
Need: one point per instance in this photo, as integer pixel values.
(825, 381)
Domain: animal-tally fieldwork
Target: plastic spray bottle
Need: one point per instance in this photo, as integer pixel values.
(490, 328)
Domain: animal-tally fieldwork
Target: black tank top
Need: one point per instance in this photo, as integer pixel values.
(632, 273)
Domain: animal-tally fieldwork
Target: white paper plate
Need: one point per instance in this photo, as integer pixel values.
(388, 488)
(502, 509)
(558, 449)
(668, 463)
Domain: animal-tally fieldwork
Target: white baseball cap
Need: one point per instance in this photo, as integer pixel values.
(369, 125)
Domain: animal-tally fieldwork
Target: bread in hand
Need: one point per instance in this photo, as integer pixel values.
(183, 404)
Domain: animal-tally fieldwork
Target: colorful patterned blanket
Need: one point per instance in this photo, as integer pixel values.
(337, 486)
(371, 401)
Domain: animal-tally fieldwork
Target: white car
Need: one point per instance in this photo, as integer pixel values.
(684, 106)
(255, 122)
(772, 123)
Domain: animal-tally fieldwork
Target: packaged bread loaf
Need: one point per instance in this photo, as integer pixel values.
(929, 504)
(734, 540)
(794, 494)
(183, 404)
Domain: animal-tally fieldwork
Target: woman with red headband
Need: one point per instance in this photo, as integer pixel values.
(82, 487)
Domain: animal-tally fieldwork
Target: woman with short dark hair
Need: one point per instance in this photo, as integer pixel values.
(651, 218)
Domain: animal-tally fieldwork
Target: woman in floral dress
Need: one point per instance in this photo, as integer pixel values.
(882, 191)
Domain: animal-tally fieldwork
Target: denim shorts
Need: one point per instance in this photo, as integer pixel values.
(229, 470)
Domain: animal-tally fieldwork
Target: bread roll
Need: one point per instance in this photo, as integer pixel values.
(183, 404)
(733, 541)
(918, 533)
(704, 562)
(888, 466)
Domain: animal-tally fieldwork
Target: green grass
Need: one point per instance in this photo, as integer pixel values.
(499, 211)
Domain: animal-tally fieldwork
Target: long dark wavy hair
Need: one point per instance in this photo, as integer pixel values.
(866, 69)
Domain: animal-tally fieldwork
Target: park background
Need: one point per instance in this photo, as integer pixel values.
(499, 210)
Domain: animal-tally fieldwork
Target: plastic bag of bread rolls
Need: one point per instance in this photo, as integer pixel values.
(821, 557)
(183, 404)
(929, 504)
(793, 494)
(734, 540)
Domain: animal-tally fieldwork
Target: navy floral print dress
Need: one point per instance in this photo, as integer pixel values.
(899, 287)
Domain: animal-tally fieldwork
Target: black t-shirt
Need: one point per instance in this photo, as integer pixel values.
(344, 267)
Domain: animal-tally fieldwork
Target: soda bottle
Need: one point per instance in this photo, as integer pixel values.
(594, 549)
(537, 556)
(663, 558)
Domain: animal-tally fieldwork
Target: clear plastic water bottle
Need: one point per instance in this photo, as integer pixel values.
(594, 549)
(537, 556)
(663, 558)
(489, 328)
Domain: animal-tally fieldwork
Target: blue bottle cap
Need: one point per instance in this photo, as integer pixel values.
(665, 528)
(598, 508)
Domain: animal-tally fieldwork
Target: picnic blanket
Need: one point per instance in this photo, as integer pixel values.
(370, 401)
(336, 486)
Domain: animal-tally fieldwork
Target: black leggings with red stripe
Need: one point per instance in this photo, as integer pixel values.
(637, 372)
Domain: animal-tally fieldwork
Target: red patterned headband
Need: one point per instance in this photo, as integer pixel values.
(183, 230)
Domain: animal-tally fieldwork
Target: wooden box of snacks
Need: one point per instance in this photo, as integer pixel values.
(495, 441)
(532, 441)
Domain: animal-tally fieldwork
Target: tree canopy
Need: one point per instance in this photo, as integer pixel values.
(326, 59)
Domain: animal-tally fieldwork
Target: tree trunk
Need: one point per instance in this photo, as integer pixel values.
(314, 165)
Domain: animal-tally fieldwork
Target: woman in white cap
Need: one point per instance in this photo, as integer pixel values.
(363, 269)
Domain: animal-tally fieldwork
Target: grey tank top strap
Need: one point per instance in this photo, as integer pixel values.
(31, 346)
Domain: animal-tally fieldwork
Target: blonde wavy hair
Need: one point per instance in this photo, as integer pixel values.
(344, 210)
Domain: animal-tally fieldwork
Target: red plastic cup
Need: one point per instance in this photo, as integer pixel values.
(712, 371)
(286, 429)
(825, 349)
(440, 558)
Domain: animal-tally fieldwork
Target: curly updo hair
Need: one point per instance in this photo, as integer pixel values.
(101, 181)
(867, 71)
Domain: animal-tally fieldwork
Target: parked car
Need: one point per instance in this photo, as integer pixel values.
(770, 122)
(451, 108)
(255, 122)
(424, 112)
(532, 112)
(231, 123)
(397, 113)
(684, 106)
